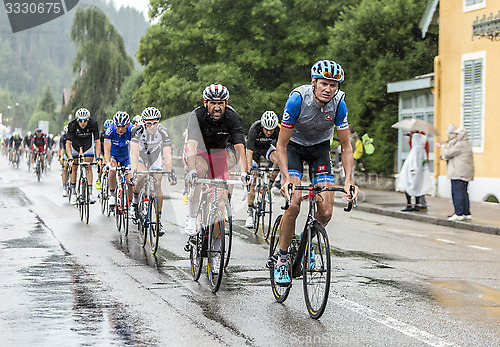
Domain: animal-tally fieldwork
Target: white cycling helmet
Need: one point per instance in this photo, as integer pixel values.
(269, 120)
(150, 113)
(216, 92)
(82, 114)
(121, 118)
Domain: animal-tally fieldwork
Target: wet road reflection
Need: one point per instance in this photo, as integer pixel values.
(47, 298)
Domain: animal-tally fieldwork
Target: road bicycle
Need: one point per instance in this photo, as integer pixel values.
(309, 254)
(263, 204)
(122, 206)
(38, 166)
(211, 228)
(148, 210)
(82, 189)
(14, 159)
(29, 158)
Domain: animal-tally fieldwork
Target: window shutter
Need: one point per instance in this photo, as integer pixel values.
(473, 100)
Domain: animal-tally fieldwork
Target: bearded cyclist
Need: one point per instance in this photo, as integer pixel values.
(311, 113)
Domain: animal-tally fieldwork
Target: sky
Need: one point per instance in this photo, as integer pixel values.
(140, 5)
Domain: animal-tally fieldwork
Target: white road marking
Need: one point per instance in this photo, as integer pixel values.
(392, 323)
(418, 235)
(447, 241)
(479, 247)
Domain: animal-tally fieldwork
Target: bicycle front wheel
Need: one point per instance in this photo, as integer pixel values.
(266, 212)
(228, 232)
(85, 201)
(280, 293)
(196, 244)
(103, 196)
(153, 223)
(125, 209)
(215, 250)
(142, 212)
(118, 208)
(316, 270)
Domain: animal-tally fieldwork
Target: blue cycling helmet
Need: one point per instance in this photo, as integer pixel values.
(121, 118)
(327, 69)
(107, 123)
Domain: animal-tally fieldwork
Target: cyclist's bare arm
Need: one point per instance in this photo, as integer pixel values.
(167, 156)
(240, 156)
(283, 139)
(347, 161)
(134, 155)
(191, 147)
(107, 151)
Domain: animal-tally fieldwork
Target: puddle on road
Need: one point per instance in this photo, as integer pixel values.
(55, 301)
(12, 197)
(488, 303)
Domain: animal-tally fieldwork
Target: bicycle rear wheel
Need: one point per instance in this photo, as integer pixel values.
(215, 251)
(228, 232)
(154, 223)
(256, 213)
(38, 169)
(196, 249)
(266, 211)
(316, 270)
(79, 198)
(280, 293)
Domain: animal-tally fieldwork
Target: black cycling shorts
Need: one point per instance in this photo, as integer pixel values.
(318, 158)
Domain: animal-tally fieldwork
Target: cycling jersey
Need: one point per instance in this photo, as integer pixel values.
(102, 134)
(39, 142)
(150, 145)
(27, 141)
(119, 144)
(212, 136)
(15, 142)
(62, 144)
(83, 137)
(311, 123)
(258, 142)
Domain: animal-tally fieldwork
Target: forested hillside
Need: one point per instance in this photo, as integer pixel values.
(32, 59)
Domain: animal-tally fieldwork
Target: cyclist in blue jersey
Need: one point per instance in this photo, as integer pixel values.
(102, 133)
(116, 149)
(311, 113)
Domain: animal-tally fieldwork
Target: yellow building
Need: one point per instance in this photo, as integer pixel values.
(467, 86)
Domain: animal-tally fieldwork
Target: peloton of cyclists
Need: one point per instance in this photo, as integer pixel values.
(261, 141)
(83, 132)
(311, 113)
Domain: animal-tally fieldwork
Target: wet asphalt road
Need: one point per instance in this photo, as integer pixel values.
(395, 282)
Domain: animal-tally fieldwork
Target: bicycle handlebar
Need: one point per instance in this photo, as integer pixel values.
(319, 189)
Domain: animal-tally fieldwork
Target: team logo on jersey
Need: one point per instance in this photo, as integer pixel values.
(328, 117)
(286, 117)
(321, 168)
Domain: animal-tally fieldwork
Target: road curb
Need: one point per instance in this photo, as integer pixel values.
(426, 219)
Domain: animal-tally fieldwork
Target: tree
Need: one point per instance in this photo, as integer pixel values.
(45, 110)
(101, 62)
(259, 49)
(375, 50)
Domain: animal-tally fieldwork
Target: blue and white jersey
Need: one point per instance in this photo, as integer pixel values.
(311, 123)
(119, 144)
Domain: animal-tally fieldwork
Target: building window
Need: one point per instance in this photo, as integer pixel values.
(473, 97)
(471, 5)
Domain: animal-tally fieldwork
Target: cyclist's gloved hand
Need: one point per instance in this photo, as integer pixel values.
(246, 178)
(192, 176)
(131, 181)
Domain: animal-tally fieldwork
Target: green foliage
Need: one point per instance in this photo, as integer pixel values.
(378, 42)
(126, 100)
(101, 62)
(259, 49)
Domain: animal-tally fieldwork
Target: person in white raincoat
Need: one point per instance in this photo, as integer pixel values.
(414, 178)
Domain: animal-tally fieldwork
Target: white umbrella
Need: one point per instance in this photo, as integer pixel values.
(412, 124)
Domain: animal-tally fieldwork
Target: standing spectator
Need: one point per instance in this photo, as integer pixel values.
(414, 178)
(458, 153)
